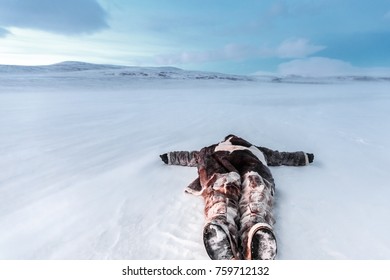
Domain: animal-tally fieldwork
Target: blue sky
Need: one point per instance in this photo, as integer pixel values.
(243, 37)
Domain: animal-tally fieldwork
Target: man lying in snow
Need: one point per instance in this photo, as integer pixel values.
(238, 189)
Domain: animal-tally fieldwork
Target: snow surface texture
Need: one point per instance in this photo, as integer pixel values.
(81, 176)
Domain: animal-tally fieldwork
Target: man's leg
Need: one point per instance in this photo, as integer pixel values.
(220, 234)
(257, 238)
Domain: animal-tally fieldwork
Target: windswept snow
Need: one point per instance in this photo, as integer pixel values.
(81, 176)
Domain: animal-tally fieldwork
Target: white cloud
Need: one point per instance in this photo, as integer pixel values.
(58, 16)
(234, 52)
(322, 66)
(184, 58)
(3, 32)
(297, 48)
(293, 48)
(23, 48)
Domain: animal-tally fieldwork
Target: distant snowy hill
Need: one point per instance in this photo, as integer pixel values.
(132, 72)
(74, 67)
(90, 70)
(66, 66)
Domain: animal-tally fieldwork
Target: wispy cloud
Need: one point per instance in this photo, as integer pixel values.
(65, 17)
(292, 48)
(322, 66)
(297, 48)
(234, 52)
(3, 32)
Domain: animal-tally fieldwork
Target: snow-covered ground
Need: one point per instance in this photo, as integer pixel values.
(81, 177)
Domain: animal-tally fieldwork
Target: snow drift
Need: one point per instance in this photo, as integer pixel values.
(81, 176)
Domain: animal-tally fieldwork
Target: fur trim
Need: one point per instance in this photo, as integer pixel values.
(252, 232)
(227, 146)
(306, 159)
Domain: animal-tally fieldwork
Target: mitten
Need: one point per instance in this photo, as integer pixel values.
(310, 157)
(164, 158)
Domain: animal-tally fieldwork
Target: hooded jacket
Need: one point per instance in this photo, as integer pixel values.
(238, 188)
(234, 154)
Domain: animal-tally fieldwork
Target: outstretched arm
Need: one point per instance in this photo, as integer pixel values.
(183, 158)
(276, 158)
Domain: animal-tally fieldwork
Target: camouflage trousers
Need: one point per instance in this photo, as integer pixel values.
(236, 208)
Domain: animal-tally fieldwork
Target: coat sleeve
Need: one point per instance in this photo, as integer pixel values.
(183, 158)
(276, 158)
(195, 187)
